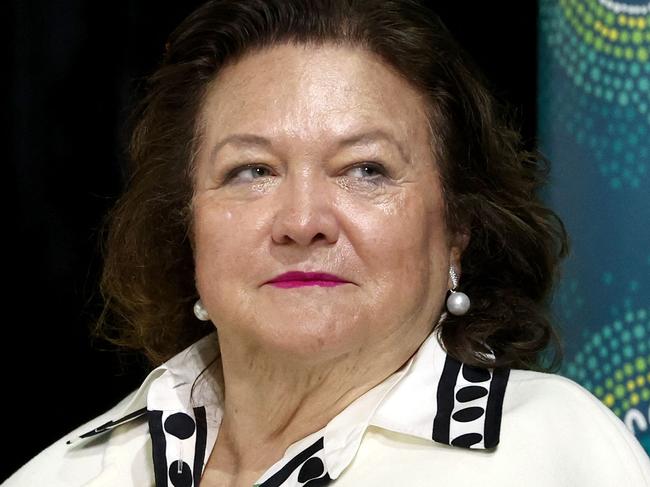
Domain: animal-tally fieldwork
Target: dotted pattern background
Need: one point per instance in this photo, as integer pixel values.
(594, 126)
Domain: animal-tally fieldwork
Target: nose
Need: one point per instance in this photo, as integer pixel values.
(305, 211)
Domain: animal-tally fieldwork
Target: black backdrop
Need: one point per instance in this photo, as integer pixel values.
(74, 70)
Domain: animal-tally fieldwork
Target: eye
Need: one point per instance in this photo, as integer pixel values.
(370, 171)
(255, 170)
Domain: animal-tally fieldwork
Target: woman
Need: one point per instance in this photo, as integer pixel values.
(331, 190)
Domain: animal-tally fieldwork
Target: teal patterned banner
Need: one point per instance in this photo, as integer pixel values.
(594, 126)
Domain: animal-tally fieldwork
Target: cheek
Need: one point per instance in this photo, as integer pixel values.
(407, 233)
(219, 235)
(407, 249)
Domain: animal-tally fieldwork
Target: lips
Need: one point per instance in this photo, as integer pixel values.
(296, 276)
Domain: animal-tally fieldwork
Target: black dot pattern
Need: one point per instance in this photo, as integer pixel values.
(180, 477)
(180, 425)
(467, 440)
(468, 414)
(306, 469)
(311, 469)
(178, 444)
(475, 374)
(470, 393)
(469, 403)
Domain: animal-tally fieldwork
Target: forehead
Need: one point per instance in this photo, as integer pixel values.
(303, 91)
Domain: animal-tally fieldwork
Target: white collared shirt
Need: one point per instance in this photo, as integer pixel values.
(435, 421)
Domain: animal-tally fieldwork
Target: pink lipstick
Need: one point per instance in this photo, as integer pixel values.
(297, 279)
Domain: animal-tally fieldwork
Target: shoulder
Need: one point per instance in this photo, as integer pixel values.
(61, 464)
(544, 395)
(553, 432)
(569, 427)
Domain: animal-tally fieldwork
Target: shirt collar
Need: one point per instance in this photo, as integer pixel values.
(433, 397)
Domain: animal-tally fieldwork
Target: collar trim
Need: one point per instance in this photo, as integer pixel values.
(470, 401)
(433, 396)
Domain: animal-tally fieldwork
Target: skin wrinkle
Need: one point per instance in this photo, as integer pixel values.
(294, 358)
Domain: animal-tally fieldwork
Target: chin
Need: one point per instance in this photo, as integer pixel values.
(311, 341)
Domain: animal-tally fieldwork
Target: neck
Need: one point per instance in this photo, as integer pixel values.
(271, 402)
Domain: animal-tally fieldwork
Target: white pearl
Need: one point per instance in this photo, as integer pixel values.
(458, 303)
(200, 312)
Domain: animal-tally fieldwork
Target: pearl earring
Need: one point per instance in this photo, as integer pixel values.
(457, 302)
(200, 312)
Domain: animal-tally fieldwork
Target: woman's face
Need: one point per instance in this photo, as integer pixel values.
(341, 180)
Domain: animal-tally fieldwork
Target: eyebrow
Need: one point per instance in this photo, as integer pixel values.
(362, 138)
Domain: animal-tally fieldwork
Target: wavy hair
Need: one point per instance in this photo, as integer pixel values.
(490, 182)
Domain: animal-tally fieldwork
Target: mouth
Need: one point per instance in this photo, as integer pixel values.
(300, 279)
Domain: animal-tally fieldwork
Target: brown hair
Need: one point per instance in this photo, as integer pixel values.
(490, 182)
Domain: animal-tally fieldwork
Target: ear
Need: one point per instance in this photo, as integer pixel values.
(459, 243)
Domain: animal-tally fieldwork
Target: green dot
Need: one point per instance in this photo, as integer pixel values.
(595, 73)
(637, 37)
(640, 364)
(619, 391)
(642, 54)
(628, 369)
